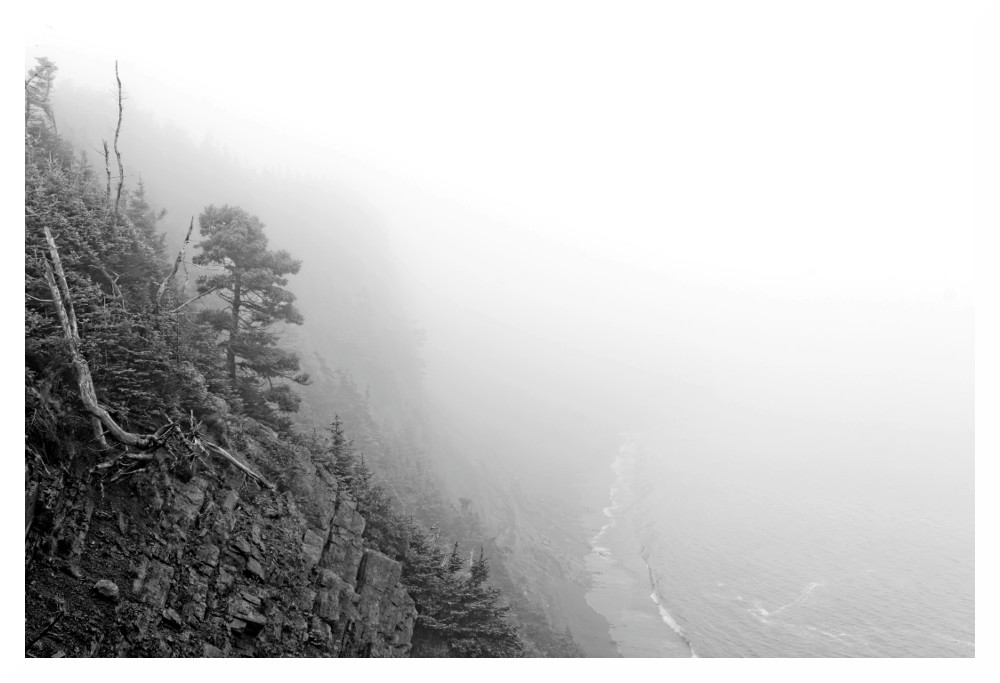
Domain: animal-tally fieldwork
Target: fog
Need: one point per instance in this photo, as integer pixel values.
(605, 217)
(737, 201)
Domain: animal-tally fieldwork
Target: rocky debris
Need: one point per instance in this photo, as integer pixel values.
(189, 499)
(214, 566)
(247, 620)
(194, 609)
(211, 651)
(208, 555)
(254, 568)
(242, 545)
(154, 583)
(171, 616)
(107, 589)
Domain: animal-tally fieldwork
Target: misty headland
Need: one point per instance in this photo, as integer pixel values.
(663, 349)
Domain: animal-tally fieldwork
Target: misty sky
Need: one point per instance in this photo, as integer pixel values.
(746, 197)
(766, 147)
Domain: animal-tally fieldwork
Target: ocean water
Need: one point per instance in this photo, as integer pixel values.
(622, 582)
(829, 540)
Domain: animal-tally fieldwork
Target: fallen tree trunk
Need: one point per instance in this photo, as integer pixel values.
(55, 277)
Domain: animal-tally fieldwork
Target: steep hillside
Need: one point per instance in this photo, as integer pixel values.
(185, 556)
(172, 507)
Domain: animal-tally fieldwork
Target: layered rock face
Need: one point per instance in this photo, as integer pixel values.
(194, 559)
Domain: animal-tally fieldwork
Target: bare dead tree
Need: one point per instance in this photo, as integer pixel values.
(107, 170)
(118, 128)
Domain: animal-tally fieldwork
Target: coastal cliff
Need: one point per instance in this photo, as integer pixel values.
(182, 497)
(195, 559)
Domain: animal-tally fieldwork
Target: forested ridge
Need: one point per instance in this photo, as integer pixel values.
(176, 504)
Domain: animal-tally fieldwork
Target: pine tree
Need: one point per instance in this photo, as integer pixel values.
(460, 614)
(455, 562)
(39, 119)
(480, 570)
(341, 453)
(251, 284)
(485, 629)
(145, 218)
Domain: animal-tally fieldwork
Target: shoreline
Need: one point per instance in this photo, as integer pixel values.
(621, 579)
(665, 614)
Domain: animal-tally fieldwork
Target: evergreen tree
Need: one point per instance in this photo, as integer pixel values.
(340, 453)
(484, 626)
(39, 119)
(455, 563)
(427, 583)
(480, 570)
(145, 218)
(251, 283)
(460, 614)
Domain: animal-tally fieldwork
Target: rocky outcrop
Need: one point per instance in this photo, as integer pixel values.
(206, 563)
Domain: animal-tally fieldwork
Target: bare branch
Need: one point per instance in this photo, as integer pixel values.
(177, 263)
(44, 301)
(193, 299)
(107, 169)
(121, 169)
(219, 451)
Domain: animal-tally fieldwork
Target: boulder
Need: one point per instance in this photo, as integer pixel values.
(254, 568)
(107, 589)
